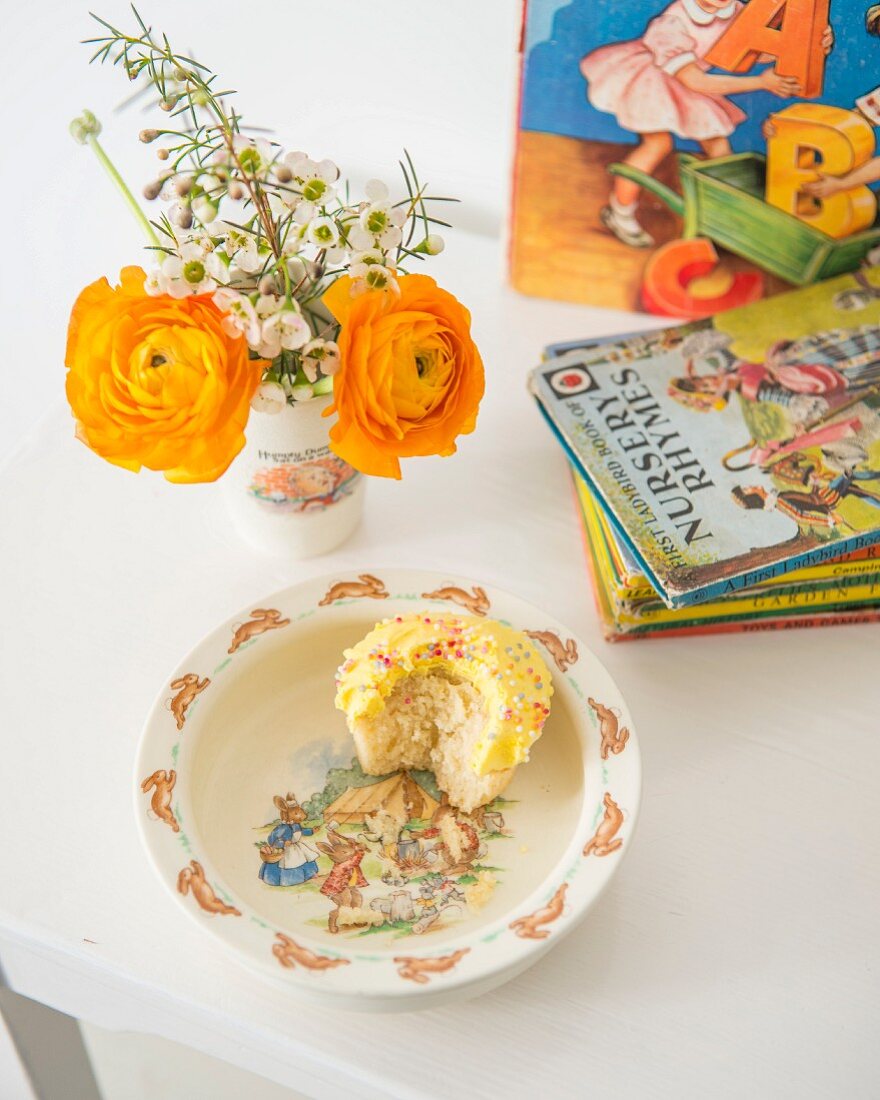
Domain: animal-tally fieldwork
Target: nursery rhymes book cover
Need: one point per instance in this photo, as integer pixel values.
(692, 156)
(732, 450)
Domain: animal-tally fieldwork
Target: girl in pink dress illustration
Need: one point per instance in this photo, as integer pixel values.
(658, 86)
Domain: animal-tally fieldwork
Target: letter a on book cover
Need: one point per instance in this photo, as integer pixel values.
(788, 31)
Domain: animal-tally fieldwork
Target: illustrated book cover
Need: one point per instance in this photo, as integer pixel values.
(842, 591)
(688, 156)
(730, 451)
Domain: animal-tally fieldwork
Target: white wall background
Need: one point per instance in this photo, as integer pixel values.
(356, 80)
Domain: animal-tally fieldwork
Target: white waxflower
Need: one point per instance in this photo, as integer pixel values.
(153, 283)
(196, 241)
(296, 161)
(186, 272)
(288, 329)
(240, 247)
(217, 263)
(314, 179)
(322, 233)
(372, 277)
(376, 191)
(369, 256)
(320, 355)
(278, 207)
(267, 304)
(317, 180)
(254, 155)
(304, 211)
(241, 317)
(269, 398)
(379, 225)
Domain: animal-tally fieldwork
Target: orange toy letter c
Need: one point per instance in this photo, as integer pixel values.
(789, 30)
(666, 283)
(809, 138)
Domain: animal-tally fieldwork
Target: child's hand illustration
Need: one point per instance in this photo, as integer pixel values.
(825, 186)
(827, 40)
(783, 86)
(768, 128)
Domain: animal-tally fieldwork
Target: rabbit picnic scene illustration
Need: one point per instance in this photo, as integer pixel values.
(367, 856)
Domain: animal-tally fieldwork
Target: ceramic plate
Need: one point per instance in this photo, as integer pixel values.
(246, 724)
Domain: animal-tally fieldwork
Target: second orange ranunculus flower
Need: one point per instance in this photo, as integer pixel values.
(157, 381)
(410, 379)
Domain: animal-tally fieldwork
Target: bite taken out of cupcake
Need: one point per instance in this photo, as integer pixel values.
(464, 697)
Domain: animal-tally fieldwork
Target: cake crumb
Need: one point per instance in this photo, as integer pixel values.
(478, 894)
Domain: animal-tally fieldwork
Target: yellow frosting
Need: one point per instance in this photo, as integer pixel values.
(503, 664)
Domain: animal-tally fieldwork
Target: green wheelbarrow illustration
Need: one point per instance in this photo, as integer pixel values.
(723, 199)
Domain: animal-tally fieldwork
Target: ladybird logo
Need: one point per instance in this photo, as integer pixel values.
(568, 381)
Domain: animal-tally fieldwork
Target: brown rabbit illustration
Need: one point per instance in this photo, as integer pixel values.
(602, 842)
(477, 602)
(458, 841)
(563, 653)
(417, 970)
(346, 877)
(188, 687)
(288, 952)
(614, 736)
(260, 621)
(193, 878)
(528, 928)
(162, 784)
(365, 586)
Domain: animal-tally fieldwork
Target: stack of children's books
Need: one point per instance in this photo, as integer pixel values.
(727, 471)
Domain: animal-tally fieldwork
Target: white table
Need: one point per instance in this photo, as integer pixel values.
(736, 953)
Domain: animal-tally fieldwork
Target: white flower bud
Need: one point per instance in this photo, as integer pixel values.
(267, 285)
(146, 136)
(204, 210)
(162, 154)
(84, 127)
(182, 215)
(152, 189)
(183, 185)
(269, 398)
(302, 392)
(235, 190)
(283, 174)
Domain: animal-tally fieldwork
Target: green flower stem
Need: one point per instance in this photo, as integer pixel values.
(110, 169)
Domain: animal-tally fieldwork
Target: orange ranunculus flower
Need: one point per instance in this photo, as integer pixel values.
(410, 378)
(156, 382)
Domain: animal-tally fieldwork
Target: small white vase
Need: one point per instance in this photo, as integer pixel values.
(287, 492)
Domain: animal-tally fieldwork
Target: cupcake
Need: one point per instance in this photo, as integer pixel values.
(464, 697)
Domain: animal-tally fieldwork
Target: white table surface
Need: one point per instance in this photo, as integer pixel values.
(735, 953)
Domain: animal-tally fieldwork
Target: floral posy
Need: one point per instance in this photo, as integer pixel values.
(290, 280)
